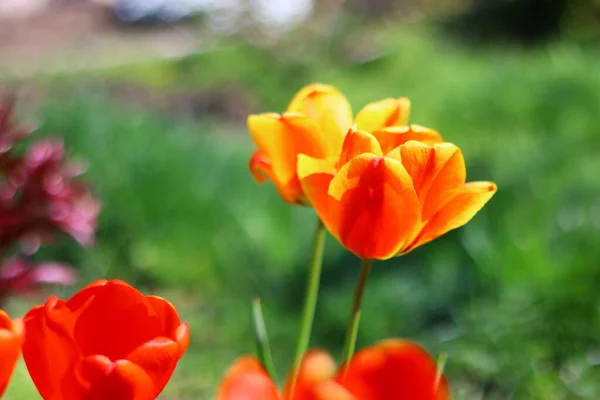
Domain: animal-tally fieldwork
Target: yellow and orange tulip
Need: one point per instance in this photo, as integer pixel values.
(107, 342)
(391, 369)
(388, 195)
(11, 337)
(315, 123)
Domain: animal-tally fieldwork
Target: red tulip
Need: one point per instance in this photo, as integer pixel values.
(108, 341)
(11, 337)
(392, 369)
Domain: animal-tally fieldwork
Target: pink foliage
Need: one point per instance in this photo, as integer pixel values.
(40, 197)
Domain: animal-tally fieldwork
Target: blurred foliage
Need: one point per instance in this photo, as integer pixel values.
(511, 297)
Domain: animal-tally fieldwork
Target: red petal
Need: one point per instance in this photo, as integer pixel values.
(247, 380)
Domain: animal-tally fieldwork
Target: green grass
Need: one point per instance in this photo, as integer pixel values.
(511, 297)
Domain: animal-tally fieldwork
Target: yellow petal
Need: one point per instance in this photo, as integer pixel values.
(459, 210)
(315, 175)
(280, 138)
(373, 206)
(392, 137)
(384, 113)
(330, 110)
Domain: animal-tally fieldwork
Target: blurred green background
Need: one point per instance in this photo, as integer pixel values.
(512, 297)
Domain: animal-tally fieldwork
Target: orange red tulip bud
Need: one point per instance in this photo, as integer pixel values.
(108, 341)
(391, 369)
(11, 337)
(388, 195)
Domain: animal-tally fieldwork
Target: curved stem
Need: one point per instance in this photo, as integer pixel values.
(262, 339)
(354, 322)
(310, 299)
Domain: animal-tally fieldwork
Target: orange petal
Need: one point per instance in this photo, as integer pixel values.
(391, 137)
(330, 110)
(373, 203)
(280, 138)
(436, 173)
(459, 210)
(260, 167)
(315, 176)
(332, 390)
(11, 337)
(247, 380)
(358, 142)
(384, 113)
(316, 367)
(393, 369)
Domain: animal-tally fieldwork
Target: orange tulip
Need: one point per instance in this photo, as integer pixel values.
(391, 369)
(108, 341)
(388, 195)
(11, 337)
(315, 124)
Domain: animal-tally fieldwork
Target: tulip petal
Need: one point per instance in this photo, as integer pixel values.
(11, 337)
(158, 358)
(100, 332)
(332, 390)
(330, 110)
(77, 382)
(247, 380)
(316, 367)
(280, 138)
(167, 315)
(393, 369)
(260, 167)
(126, 381)
(463, 206)
(358, 142)
(48, 349)
(436, 173)
(391, 137)
(373, 203)
(315, 176)
(384, 113)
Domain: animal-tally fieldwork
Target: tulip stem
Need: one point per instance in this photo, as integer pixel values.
(262, 339)
(310, 299)
(354, 322)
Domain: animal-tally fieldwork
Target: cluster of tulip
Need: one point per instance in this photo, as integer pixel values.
(379, 186)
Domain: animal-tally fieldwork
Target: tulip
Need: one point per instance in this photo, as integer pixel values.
(315, 123)
(392, 369)
(382, 201)
(11, 337)
(108, 341)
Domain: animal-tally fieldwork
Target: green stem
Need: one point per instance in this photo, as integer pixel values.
(262, 339)
(354, 322)
(310, 299)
